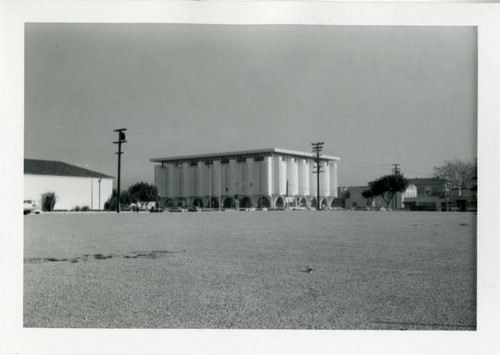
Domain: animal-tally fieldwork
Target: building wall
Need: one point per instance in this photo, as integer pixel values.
(425, 193)
(353, 199)
(245, 177)
(70, 191)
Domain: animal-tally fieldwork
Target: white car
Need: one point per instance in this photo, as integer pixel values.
(31, 206)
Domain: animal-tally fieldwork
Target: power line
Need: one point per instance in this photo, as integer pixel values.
(344, 158)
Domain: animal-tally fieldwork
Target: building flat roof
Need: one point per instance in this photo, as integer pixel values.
(245, 152)
(423, 181)
(57, 168)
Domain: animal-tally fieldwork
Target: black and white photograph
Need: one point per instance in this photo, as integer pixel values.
(259, 177)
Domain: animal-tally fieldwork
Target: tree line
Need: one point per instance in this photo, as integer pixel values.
(458, 174)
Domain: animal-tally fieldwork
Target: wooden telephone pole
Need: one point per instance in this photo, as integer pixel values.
(396, 171)
(317, 148)
(121, 139)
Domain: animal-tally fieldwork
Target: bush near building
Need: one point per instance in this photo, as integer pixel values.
(48, 201)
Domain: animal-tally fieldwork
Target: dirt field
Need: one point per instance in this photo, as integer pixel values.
(268, 270)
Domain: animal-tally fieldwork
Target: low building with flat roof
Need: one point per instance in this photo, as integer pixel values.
(271, 178)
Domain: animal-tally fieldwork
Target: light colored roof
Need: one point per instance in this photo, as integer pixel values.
(57, 168)
(245, 152)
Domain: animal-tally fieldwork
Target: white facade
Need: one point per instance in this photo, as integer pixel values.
(274, 178)
(70, 191)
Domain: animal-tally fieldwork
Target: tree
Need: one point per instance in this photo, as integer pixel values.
(460, 174)
(143, 193)
(48, 201)
(368, 194)
(125, 199)
(387, 186)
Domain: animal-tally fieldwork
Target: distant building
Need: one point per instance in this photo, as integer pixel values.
(353, 199)
(464, 199)
(73, 186)
(422, 194)
(275, 178)
(427, 194)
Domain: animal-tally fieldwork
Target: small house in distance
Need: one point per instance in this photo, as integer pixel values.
(73, 186)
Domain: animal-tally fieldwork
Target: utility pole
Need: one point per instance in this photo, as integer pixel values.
(395, 171)
(121, 139)
(317, 148)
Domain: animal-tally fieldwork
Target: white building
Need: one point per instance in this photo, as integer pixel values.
(275, 178)
(73, 186)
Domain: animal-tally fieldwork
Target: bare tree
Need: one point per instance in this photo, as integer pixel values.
(460, 174)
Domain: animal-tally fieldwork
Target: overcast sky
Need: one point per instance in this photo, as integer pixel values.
(374, 95)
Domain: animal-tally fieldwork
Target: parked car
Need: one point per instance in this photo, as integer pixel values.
(30, 206)
(176, 209)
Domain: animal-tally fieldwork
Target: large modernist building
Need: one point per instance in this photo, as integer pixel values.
(272, 178)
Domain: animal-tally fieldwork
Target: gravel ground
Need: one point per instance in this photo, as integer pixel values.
(248, 270)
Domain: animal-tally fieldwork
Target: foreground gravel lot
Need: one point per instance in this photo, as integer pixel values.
(268, 270)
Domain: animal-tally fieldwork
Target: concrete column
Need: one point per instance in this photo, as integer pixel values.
(160, 180)
(312, 179)
(217, 181)
(185, 180)
(333, 179)
(305, 182)
(232, 176)
(289, 176)
(268, 176)
(173, 181)
(326, 178)
(294, 181)
(201, 171)
(249, 182)
(280, 179)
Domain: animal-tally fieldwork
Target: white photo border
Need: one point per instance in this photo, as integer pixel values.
(15, 338)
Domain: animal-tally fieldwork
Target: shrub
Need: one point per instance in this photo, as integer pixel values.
(48, 201)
